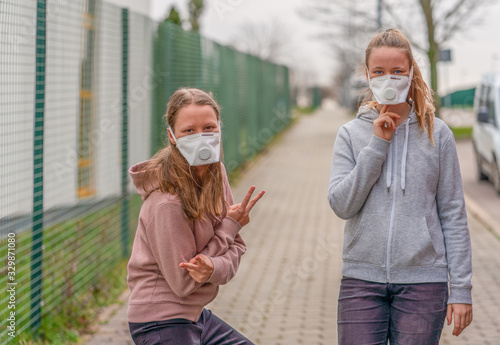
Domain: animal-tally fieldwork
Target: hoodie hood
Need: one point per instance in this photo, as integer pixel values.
(139, 180)
(370, 114)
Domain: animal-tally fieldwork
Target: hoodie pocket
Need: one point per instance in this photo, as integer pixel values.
(411, 243)
(368, 241)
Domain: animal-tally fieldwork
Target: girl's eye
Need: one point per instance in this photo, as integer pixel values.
(209, 128)
(397, 71)
(188, 130)
(379, 72)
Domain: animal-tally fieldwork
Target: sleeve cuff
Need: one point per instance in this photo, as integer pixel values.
(460, 295)
(379, 145)
(230, 226)
(218, 273)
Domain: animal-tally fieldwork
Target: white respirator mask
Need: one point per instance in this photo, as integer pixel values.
(199, 149)
(391, 88)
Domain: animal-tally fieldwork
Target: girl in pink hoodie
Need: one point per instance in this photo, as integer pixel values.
(187, 241)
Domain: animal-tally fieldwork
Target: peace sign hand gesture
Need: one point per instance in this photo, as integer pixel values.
(241, 212)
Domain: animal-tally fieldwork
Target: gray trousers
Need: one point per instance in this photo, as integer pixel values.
(208, 330)
(404, 314)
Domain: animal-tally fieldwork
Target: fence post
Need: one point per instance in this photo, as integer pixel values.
(160, 90)
(125, 199)
(37, 231)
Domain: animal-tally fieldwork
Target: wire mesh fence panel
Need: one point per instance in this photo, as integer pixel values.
(227, 94)
(141, 82)
(83, 89)
(60, 142)
(109, 103)
(61, 151)
(177, 58)
(252, 145)
(17, 91)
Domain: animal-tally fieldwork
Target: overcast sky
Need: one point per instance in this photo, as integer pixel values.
(473, 54)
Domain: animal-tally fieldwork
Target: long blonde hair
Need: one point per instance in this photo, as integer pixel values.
(419, 93)
(198, 196)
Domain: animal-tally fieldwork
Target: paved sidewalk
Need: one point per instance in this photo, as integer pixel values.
(286, 289)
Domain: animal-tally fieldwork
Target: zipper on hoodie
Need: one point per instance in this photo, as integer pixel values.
(393, 207)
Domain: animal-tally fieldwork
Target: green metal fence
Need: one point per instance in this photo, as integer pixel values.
(63, 191)
(83, 88)
(317, 97)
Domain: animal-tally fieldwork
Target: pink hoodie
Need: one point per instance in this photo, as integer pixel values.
(160, 289)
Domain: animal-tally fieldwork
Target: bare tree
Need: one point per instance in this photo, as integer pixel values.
(267, 40)
(195, 11)
(346, 26)
(270, 41)
(429, 24)
(443, 20)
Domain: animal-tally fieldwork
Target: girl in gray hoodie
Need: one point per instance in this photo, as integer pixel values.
(395, 178)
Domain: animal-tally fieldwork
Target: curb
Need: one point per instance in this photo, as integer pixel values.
(482, 216)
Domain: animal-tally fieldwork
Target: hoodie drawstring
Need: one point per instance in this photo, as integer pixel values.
(388, 178)
(405, 154)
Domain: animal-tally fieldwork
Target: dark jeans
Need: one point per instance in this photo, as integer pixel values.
(404, 314)
(208, 330)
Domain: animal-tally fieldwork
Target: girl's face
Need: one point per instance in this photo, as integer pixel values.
(194, 119)
(388, 60)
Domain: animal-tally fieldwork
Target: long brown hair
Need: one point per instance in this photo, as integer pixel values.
(419, 93)
(199, 196)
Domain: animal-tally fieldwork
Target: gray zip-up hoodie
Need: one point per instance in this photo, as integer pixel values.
(404, 205)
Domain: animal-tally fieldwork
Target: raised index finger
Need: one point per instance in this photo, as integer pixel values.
(245, 201)
(384, 109)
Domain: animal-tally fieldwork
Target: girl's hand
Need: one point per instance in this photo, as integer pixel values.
(463, 316)
(380, 129)
(241, 212)
(200, 268)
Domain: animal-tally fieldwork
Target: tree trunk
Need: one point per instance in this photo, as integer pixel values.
(433, 52)
(433, 55)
